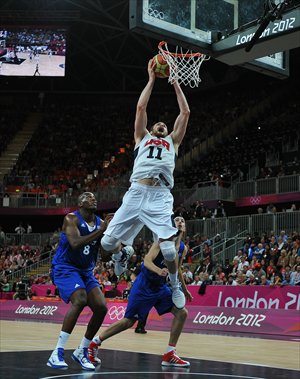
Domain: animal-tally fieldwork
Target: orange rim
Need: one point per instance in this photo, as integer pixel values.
(162, 43)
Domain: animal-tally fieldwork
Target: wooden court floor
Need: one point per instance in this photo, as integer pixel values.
(26, 346)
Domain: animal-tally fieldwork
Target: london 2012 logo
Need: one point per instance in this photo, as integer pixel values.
(116, 313)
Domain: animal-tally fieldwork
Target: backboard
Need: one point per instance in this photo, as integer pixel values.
(221, 28)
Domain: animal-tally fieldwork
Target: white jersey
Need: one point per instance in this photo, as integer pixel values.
(154, 158)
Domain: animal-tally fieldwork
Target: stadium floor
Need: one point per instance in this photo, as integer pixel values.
(26, 346)
(128, 365)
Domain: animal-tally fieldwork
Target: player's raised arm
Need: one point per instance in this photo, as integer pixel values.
(183, 117)
(140, 125)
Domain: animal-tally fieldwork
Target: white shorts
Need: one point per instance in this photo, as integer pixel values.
(143, 205)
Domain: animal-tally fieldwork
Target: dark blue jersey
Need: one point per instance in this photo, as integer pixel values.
(84, 258)
(153, 280)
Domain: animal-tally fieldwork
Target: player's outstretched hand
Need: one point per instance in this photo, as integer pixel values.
(108, 218)
(151, 65)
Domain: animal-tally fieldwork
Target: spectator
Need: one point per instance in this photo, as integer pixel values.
(288, 281)
(231, 281)
(219, 211)
(4, 285)
(296, 276)
(187, 275)
(293, 208)
(197, 281)
(113, 292)
(201, 211)
(217, 281)
(276, 280)
(264, 281)
(2, 237)
(21, 292)
(126, 291)
(20, 229)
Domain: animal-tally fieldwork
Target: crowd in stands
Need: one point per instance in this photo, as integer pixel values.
(255, 144)
(263, 260)
(266, 259)
(91, 145)
(84, 151)
(40, 39)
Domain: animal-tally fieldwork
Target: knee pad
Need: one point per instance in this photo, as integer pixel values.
(109, 243)
(168, 250)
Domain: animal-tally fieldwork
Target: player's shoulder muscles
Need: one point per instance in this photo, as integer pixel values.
(70, 221)
(139, 135)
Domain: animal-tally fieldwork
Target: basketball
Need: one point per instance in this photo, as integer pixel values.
(161, 67)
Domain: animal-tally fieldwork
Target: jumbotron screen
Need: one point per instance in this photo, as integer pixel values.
(32, 50)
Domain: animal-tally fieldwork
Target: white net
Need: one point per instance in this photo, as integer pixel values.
(184, 66)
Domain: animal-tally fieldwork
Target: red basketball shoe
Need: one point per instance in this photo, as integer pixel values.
(93, 353)
(172, 360)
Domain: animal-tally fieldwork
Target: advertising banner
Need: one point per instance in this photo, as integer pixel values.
(242, 320)
(249, 297)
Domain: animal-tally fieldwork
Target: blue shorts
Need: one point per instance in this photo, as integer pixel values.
(142, 298)
(69, 279)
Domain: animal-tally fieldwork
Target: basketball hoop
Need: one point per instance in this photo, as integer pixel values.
(184, 66)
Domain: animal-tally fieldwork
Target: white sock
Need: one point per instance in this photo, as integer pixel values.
(62, 340)
(84, 343)
(117, 256)
(173, 278)
(97, 340)
(171, 348)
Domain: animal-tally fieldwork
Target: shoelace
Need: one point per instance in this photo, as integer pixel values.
(175, 359)
(177, 286)
(94, 352)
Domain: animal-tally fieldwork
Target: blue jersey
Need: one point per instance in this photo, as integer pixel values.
(84, 258)
(150, 290)
(153, 280)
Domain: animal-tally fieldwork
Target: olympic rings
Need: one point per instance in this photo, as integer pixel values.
(115, 312)
(155, 13)
(254, 200)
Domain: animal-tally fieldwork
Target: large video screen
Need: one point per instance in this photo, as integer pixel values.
(33, 50)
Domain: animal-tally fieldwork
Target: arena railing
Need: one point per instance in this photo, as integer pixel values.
(32, 239)
(229, 252)
(202, 191)
(215, 245)
(63, 200)
(280, 184)
(225, 245)
(37, 268)
(214, 191)
(234, 225)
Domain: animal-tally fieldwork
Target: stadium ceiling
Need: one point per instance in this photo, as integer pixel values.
(103, 55)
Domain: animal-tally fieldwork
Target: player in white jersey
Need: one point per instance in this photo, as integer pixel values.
(149, 200)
